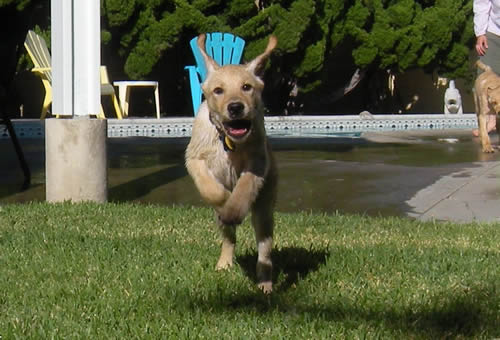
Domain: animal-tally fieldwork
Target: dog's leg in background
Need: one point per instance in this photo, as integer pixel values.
(482, 111)
(476, 107)
(483, 133)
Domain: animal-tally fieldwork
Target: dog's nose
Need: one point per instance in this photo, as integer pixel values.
(235, 109)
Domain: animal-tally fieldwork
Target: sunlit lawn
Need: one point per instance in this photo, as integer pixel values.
(134, 271)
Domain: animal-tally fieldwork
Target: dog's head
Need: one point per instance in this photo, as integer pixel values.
(493, 93)
(233, 93)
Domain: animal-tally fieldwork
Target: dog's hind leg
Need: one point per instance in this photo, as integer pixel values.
(262, 220)
(483, 133)
(482, 111)
(228, 245)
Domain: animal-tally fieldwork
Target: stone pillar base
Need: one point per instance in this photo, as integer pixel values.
(76, 160)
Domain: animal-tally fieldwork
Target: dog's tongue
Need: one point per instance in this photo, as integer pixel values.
(237, 132)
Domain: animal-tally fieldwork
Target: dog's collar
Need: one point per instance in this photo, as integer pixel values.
(227, 143)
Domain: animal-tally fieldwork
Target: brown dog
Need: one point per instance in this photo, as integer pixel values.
(229, 157)
(487, 101)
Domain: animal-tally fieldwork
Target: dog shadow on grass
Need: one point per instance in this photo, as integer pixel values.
(290, 265)
(445, 315)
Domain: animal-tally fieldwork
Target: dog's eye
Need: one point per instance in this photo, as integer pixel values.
(218, 90)
(246, 87)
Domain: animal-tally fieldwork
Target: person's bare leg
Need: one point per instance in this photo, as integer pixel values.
(492, 123)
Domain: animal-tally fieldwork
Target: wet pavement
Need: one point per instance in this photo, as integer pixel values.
(439, 175)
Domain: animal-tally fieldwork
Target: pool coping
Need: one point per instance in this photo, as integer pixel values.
(276, 126)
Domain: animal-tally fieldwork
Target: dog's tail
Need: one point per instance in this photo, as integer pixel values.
(482, 66)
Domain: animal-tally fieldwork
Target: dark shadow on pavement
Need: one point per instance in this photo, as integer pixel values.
(15, 192)
(141, 186)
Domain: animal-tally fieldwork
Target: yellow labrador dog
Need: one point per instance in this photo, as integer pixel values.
(230, 159)
(487, 101)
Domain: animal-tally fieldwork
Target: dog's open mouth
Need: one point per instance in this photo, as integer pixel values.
(238, 128)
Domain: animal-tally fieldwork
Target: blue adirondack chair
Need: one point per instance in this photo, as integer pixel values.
(224, 48)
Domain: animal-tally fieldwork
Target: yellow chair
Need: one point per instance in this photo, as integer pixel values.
(40, 55)
(107, 89)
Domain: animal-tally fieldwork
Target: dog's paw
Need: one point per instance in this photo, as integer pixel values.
(488, 149)
(266, 287)
(224, 264)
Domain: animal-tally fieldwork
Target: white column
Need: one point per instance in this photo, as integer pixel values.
(76, 155)
(62, 57)
(76, 160)
(76, 54)
(87, 56)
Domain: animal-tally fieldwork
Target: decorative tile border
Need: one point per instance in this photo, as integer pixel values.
(25, 128)
(166, 127)
(282, 126)
(330, 125)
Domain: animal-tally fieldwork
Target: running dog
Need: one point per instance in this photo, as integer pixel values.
(230, 159)
(487, 101)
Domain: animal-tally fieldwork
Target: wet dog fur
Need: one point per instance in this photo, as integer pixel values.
(487, 101)
(230, 159)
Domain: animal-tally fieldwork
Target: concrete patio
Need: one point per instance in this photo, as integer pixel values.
(427, 174)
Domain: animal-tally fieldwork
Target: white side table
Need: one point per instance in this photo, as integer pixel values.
(124, 93)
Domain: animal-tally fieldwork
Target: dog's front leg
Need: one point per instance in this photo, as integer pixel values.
(228, 245)
(214, 193)
(211, 190)
(241, 199)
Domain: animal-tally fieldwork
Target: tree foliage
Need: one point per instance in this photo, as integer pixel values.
(16, 17)
(313, 35)
(404, 34)
(321, 42)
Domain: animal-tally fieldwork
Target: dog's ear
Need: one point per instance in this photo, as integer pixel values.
(256, 66)
(210, 64)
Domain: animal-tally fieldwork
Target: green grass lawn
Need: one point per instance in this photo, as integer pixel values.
(133, 271)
